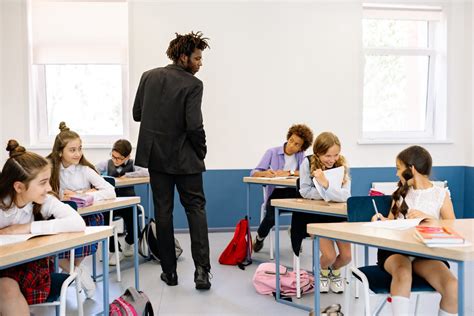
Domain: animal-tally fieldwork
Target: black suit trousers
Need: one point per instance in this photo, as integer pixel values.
(191, 194)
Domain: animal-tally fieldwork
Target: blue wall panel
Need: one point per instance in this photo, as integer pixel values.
(226, 193)
(469, 193)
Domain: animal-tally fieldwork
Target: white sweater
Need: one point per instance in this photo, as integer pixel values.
(79, 177)
(66, 219)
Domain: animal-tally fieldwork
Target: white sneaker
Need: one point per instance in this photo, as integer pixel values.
(113, 258)
(323, 284)
(128, 250)
(87, 283)
(336, 283)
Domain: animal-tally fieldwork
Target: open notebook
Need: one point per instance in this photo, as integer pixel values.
(13, 239)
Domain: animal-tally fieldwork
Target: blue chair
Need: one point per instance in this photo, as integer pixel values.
(373, 278)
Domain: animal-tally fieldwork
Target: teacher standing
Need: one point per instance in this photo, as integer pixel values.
(172, 145)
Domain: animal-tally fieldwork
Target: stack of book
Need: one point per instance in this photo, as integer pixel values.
(435, 236)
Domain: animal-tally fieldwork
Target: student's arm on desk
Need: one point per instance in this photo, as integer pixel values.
(66, 219)
(105, 190)
(138, 173)
(263, 168)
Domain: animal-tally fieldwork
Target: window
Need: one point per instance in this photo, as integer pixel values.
(404, 74)
(79, 70)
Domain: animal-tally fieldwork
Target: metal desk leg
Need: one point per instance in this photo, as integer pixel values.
(135, 248)
(105, 280)
(248, 202)
(460, 288)
(277, 253)
(317, 302)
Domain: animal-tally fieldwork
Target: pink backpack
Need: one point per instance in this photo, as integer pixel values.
(264, 280)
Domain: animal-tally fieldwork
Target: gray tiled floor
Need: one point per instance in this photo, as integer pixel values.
(232, 292)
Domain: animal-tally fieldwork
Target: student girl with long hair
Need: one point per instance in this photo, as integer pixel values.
(326, 156)
(72, 174)
(417, 197)
(26, 207)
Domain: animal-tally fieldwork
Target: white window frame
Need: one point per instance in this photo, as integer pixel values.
(436, 119)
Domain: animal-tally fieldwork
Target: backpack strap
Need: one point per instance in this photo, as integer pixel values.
(248, 260)
(149, 309)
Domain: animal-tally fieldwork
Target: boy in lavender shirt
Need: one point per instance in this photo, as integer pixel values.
(279, 162)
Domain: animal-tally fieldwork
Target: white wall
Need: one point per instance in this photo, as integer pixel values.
(271, 64)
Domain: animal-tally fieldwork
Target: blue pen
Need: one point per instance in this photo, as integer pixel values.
(376, 210)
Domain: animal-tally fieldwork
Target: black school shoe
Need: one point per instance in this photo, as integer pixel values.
(201, 278)
(170, 278)
(257, 244)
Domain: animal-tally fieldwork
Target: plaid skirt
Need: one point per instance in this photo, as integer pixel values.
(34, 279)
(91, 220)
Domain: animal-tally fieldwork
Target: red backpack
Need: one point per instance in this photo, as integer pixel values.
(239, 250)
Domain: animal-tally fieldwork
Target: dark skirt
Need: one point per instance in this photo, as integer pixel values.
(34, 279)
(91, 220)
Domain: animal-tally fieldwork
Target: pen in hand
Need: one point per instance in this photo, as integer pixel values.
(376, 210)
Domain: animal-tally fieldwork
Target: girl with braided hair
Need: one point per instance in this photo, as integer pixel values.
(26, 207)
(417, 197)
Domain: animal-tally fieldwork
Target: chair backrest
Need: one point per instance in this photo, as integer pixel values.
(71, 204)
(388, 188)
(110, 180)
(361, 208)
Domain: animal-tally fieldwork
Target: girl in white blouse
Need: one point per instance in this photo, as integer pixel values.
(72, 174)
(25, 207)
(326, 155)
(417, 197)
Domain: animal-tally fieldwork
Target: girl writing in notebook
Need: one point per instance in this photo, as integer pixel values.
(417, 197)
(25, 208)
(326, 156)
(72, 174)
(281, 161)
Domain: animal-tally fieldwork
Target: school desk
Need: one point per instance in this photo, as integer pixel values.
(128, 182)
(403, 241)
(115, 204)
(303, 206)
(45, 246)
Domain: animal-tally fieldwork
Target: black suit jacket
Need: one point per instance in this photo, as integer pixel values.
(168, 105)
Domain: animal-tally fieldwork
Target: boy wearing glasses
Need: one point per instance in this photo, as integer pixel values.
(120, 165)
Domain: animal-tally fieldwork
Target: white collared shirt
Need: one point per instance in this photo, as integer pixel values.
(79, 178)
(66, 219)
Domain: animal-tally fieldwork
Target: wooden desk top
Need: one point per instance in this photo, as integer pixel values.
(125, 182)
(404, 240)
(320, 206)
(44, 245)
(287, 182)
(109, 204)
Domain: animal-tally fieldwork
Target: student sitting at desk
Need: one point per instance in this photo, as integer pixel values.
(72, 174)
(326, 149)
(417, 197)
(26, 208)
(120, 165)
(277, 162)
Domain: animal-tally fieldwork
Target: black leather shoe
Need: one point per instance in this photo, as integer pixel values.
(201, 278)
(170, 278)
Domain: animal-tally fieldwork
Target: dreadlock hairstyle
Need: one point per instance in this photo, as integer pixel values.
(62, 139)
(414, 156)
(186, 44)
(22, 166)
(321, 145)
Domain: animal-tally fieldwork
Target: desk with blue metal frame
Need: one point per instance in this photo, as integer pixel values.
(304, 206)
(115, 204)
(124, 182)
(403, 241)
(45, 246)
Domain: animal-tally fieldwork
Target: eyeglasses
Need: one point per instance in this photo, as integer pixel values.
(116, 158)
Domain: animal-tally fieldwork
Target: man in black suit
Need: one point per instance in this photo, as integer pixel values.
(172, 145)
